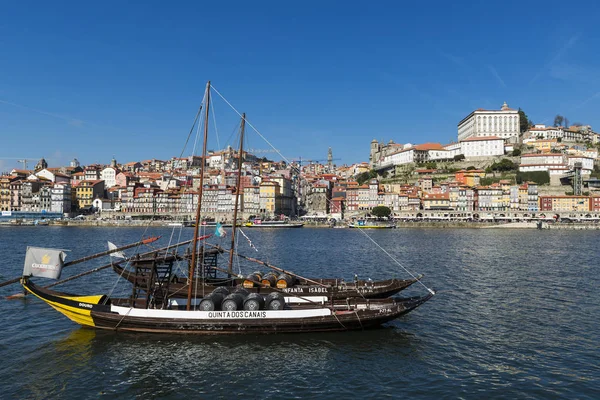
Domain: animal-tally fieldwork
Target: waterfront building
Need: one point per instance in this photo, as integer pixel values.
(336, 208)
(5, 193)
(225, 203)
(503, 123)
(482, 146)
(15, 194)
(30, 188)
(363, 197)
(564, 203)
(210, 199)
(352, 196)
(466, 199)
(144, 200)
(319, 199)
(61, 198)
(533, 203)
(167, 202)
(595, 203)
(269, 193)
(188, 201)
(440, 201)
(252, 200)
(489, 198)
(287, 197)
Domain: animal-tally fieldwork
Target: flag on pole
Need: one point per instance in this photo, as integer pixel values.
(220, 231)
(45, 263)
(116, 254)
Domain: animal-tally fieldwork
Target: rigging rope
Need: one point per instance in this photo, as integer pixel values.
(285, 159)
(395, 260)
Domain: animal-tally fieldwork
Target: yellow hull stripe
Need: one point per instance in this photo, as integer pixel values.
(75, 314)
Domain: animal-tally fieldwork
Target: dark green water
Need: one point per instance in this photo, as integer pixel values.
(517, 315)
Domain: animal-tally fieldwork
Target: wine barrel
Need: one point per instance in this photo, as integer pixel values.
(254, 302)
(243, 291)
(252, 280)
(211, 302)
(233, 302)
(221, 289)
(274, 301)
(285, 281)
(269, 279)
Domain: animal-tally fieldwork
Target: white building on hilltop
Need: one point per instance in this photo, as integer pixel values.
(483, 146)
(503, 123)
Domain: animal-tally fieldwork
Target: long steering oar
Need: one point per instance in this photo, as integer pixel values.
(87, 258)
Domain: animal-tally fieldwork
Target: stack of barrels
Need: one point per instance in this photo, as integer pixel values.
(270, 279)
(221, 299)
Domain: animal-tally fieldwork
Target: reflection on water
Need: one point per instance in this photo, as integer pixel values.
(517, 315)
(167, 366)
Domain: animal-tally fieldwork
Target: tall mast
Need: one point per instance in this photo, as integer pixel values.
(237, 196)
(196, 227)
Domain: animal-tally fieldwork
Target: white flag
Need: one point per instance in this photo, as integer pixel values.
(116, 254)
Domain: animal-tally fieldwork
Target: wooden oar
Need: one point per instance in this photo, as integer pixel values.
(87, 258)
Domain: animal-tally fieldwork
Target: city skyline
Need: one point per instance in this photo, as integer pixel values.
(96, 81)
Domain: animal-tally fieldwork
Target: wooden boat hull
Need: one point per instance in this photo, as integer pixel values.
(267, 225)
(341, 316)
(372, 226)
(178, 287)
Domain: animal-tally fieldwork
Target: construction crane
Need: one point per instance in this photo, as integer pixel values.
(21, 160)
(301, 160)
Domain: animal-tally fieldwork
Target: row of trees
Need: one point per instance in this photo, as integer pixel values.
(560, 120)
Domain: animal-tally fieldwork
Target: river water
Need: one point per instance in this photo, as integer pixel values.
(516, 315)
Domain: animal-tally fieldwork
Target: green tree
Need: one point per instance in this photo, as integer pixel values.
(381, 211)
(459, 157)
(516, 152)
(558, 120)
(539, 177)
(524, 122)
(366, 176)
(504, 165)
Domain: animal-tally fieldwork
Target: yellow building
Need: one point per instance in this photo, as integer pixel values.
(87, 191)
(5, 196)
(269, 194)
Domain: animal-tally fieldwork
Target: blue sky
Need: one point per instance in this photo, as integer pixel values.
(96, 80)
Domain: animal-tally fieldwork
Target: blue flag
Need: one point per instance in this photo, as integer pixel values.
(220, 231)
